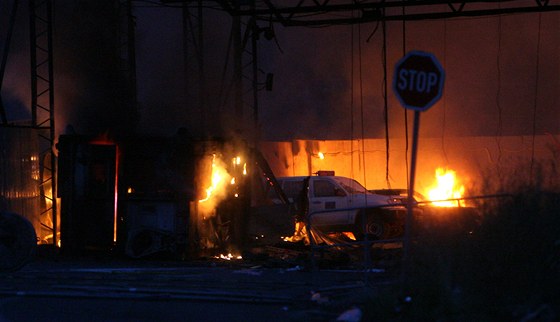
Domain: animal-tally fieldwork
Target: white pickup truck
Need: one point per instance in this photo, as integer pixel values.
(341, 204)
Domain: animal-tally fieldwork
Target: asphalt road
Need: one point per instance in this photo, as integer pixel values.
(108, 289)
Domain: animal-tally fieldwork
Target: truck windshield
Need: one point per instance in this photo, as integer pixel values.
(351, 186)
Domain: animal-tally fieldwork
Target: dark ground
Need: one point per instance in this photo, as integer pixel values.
(280, 286)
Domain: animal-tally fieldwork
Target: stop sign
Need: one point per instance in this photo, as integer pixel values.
(418, 80)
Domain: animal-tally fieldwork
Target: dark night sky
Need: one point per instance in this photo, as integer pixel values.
(474, 96)
(490, 62)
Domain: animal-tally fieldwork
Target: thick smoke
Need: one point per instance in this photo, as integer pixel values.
(16, 81)
(328, 82)
(493, 84)
(90, 82)
(169, 74)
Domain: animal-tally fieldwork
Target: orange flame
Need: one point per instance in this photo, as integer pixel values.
(228, 257)
(219, 176)
(446, 187)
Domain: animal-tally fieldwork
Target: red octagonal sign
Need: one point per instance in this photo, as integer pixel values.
(418, 80)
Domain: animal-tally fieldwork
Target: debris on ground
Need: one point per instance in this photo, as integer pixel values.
(354, 314)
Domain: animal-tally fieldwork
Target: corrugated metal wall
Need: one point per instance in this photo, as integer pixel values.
(20, 173)
(477, 160)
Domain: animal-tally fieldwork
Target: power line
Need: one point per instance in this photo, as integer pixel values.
(385, 105)
(535, 102)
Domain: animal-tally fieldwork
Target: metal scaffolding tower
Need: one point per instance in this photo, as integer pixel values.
(244, 84)
(246, 55)
(42, 100)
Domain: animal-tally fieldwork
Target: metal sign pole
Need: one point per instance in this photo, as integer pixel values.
(418, 84)
(410, 203)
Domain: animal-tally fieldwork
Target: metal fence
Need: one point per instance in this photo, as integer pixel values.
(366, 243)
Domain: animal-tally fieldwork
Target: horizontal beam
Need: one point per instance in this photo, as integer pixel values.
(316, 13)
(415, 17)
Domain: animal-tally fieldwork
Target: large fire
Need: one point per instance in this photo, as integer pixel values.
(219, 176)
(221, 182)
(446, 190)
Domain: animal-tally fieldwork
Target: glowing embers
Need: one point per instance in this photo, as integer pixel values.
(446, 190)
(229, 257)
(349, 235)
(238, 169)
(300, 234)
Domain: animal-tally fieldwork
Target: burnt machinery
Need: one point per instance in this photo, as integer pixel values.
(144, 195)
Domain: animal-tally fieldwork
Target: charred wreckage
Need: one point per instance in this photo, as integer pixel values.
(186, 197)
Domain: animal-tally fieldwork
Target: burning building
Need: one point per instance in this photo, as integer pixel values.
(142, 194)
(146, 195)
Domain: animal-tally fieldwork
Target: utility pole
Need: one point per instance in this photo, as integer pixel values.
(193, 62)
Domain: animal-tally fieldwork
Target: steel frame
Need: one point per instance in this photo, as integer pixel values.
(317, 13)
(42, 98)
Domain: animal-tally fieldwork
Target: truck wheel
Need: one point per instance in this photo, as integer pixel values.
(375, 227)
(18, 241)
